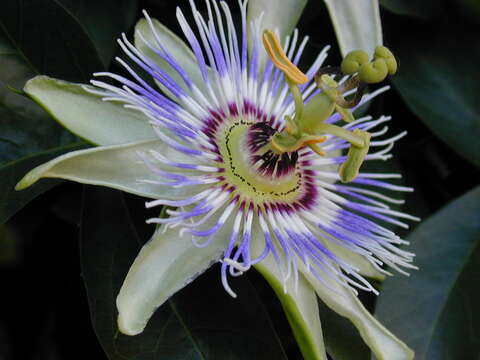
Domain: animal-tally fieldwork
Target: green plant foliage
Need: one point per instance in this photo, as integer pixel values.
(471, 9)
(438, 72)
(50, 39)
(200, 322)
(63, 38)
(28, 137)
(66, 39)
(10, 173)
(91, 15)
(434, 310)
(24, 127)
(421, 9)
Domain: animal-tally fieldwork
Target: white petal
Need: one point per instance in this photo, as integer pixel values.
(166, 264)
(175, 47)
(117, 166)
(364, 266)
(282, 15)
(357, 24)
(300, 305)
(343, 301)
(86, 115)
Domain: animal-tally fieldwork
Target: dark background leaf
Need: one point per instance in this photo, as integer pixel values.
(65, 39)
(45, 308)
(11, 200)
(436, 78)
(50, 39)
(423, 9)
(103, 22)
(194, 324)
(435, 309)
(24, 127)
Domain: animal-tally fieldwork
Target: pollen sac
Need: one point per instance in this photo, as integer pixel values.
(381, 52)
(370, 72)
(353, 61)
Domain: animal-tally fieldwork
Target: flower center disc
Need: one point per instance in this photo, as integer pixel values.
(253, 168)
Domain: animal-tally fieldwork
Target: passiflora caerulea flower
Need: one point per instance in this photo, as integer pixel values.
(244, 153)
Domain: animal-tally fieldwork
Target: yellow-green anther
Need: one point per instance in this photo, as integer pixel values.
(356, 155)
(353, 61)
(370, 72)
(381, 52)
(373, 72)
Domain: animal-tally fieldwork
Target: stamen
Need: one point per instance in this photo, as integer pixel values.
(370, 72)
(355, 157)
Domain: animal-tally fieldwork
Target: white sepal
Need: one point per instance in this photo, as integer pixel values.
(280, 15)
(299, 302)
(357, 24)
(117, 166)
(344, 302)
(86, 114)
(167, 263)
(358, 261)
(174, 46)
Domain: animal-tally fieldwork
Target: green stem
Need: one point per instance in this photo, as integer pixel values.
(297, 98)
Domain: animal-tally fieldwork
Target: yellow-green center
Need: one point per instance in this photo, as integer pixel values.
(240, 172)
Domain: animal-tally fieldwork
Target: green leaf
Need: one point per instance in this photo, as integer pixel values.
(93, 15)
(200, 322)
(422, 9)
(227, 328)
(470, 9)
(10, 253)
(50, 39)
(10, 200)
(28, 136)
(435, 310)
(24, 127)
(439, 80)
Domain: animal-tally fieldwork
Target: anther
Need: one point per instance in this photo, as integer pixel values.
(356, 155)
(370, 72)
